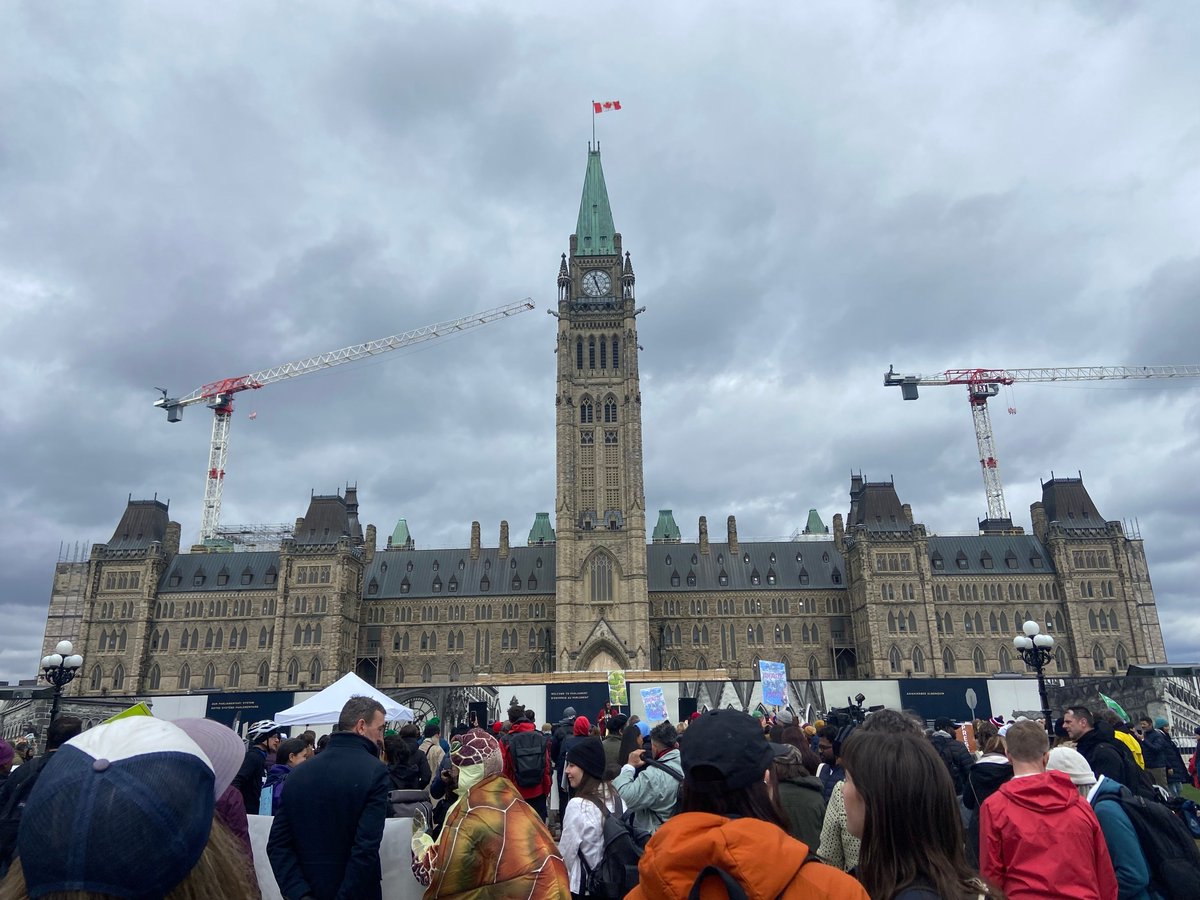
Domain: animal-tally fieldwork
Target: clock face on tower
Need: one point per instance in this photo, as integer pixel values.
(596, 283)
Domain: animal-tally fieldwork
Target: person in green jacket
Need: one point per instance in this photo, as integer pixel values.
(800, 795)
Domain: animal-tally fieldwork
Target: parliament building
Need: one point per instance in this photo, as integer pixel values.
(588, 589)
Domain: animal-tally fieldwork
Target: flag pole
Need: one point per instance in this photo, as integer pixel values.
(593, 121)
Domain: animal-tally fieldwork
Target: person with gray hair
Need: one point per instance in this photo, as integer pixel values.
(650, 786)
(325, 837)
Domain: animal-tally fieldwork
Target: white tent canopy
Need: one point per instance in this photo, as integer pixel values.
(325, 707)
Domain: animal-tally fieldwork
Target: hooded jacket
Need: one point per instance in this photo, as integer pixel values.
(1133, 875)
(1036, 831)
(765, 860)
(650, 792)
(802, 802)
(1107, 756)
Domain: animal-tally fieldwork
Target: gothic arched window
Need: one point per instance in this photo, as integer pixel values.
(600, 578)
(616, 357)
(264, 674)
(314, 672)
(118, 677)
(579, 353)
(610, 410)
(591, 353)
(155, 677)
(980, 662)
(586, 412)
(185, 677)
(603, 353)
(293, 671)
(894, 658)
(1098, 658)
(210, 677)
(235, 675)
(918, 659)
(948, 661)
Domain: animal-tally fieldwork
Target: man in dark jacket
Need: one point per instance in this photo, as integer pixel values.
(1105, 754)
(1176, 770)
(325, 838)
(1154, 751)
(563, 729)
(954, 753)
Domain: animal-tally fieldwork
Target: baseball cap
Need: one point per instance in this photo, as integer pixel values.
(785, 717)
(220, 744)
(138, 796)
(728, 741)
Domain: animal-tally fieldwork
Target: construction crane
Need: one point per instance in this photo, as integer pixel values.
(218, 395)
(982, 384)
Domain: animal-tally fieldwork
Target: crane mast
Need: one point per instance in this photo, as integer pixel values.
(983, 384)
(218, 395)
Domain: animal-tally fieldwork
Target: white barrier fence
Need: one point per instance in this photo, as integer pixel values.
(395, 858)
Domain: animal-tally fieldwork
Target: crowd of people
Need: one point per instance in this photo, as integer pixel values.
(723, 804)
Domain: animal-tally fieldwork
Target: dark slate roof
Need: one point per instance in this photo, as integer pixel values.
(186, 566)
(328, 520)
(144, 521)
(390, 568)
(877, 506)
(1066, 501)
(818, 559)
(1021, 548)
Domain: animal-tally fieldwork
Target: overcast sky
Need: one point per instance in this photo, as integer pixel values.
(810, 193)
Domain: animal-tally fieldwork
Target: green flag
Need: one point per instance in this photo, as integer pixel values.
(1115, 707)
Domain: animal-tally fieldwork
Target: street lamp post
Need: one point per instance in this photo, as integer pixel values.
(60, 669)
(1037, 649)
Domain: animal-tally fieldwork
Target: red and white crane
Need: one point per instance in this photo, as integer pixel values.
(218, 395)
(983, 384)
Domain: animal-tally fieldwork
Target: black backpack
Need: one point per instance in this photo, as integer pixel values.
(946, 752)
(528, 750)
(617, 872)
(1170, 851)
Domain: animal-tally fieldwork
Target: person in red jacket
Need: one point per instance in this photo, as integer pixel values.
(1038, 838)
(527, 764)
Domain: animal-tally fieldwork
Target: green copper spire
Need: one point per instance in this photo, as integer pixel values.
(542, 531)
(401, 538)
(666, 531)
(815, 525)
(594, 230)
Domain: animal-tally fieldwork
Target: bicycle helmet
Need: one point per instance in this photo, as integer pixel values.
(260, 731)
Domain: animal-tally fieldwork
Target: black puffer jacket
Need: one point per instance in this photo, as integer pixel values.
(1109, 757)
(985, 779)
(956, 756)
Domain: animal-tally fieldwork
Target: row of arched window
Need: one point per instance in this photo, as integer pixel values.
(609, 348)
(587, 411)
(113, 641)
(111, 610)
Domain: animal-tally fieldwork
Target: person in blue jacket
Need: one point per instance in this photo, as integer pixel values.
(1129, 862)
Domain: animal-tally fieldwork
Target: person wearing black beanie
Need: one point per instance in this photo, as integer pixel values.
(583, 817)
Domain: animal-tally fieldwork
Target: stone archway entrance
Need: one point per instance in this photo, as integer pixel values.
(602, 657)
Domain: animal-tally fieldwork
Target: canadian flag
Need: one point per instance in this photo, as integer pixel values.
(253, 415)
(606, 106)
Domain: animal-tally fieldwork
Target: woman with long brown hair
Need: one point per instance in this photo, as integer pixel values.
(900, 802)
(593, 797)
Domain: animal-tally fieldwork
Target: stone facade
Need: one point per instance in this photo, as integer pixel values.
(878, 597)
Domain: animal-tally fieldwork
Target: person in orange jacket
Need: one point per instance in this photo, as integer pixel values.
(730, 831)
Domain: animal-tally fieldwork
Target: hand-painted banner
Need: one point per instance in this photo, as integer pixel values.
(617, 693)
(774, 682)
(655, 703)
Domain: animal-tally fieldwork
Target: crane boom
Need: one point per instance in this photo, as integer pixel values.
(218, 395)
(983, 384)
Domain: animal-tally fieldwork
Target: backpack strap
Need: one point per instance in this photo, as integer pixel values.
(732, 888)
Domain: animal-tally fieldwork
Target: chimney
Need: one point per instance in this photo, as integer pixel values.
(906, 508)
(474, 540)
(503, 539)
(704, 535)
(171, 538)
(839, 533)
(733, 543)
(369, 550)
(1037, 512)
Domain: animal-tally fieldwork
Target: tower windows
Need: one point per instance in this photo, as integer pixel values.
(579, 353)
(610, 410)
(586, 412)
(591, 353)
(603, 353)
(587, 438)
(616, 359)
